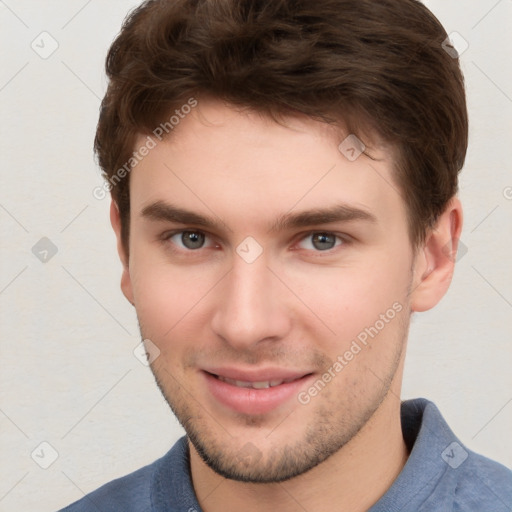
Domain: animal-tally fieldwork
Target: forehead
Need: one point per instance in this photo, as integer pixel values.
(232, 162)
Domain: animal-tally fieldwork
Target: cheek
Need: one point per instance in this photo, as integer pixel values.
(168, 298)
(343, 301)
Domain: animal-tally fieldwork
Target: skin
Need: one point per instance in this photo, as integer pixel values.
(296, 306)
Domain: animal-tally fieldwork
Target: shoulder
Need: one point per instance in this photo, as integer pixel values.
(163, 485)
(444, 474)
(472, 481)
(128, 493)
(482, 484)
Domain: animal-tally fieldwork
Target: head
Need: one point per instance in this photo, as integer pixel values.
(251, 238)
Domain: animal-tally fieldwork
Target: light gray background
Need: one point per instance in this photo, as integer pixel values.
(68, 373)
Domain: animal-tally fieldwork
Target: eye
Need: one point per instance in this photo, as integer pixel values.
(189, 240)
(321, 241)
(193, 240)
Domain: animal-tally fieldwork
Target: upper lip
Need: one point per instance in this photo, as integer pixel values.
(257, 375)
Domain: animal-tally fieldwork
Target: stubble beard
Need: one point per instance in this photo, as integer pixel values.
(329, 427)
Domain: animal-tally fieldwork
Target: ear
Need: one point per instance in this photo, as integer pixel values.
(434, 262)
(126, 283)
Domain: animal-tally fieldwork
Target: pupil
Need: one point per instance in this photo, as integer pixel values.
(192, 239)
(323, 238)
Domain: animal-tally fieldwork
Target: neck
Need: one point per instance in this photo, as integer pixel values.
(354, 478)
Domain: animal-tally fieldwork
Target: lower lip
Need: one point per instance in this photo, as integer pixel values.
(254, 401)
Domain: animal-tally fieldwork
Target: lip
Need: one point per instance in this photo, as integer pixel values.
(254, 401)
(257, 375)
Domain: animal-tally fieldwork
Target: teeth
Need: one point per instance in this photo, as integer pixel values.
(255, 385)
(261, 385)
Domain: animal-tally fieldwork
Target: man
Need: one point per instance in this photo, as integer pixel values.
(283, 178)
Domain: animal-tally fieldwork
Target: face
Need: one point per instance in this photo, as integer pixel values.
(259, 252)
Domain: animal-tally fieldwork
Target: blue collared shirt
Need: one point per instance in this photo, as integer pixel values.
(441, 475)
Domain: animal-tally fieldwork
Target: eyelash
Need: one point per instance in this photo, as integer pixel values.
(345, 240)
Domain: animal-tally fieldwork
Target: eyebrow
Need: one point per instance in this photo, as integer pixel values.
(162, 211)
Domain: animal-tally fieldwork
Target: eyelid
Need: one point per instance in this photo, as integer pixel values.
(345, 239)
(167, 235)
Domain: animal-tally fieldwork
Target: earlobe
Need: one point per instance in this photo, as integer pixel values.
(126, 284)
(435, 262)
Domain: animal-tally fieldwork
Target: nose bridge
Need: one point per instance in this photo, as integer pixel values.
(248, 307)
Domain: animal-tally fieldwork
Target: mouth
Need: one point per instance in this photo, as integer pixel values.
(254, 396)
(263, 384)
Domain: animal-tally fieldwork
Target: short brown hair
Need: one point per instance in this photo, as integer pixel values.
(378, 64)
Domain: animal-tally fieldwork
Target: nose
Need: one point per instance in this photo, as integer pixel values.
(251, 305)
